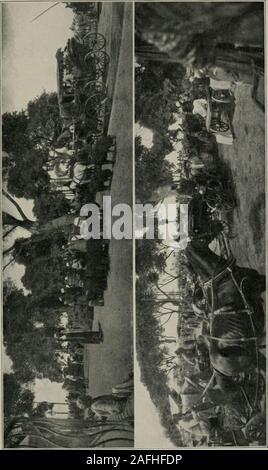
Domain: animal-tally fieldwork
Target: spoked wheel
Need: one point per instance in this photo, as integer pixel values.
(94, 41)
(93, 103)
(100, 60)
(217, 200)
(219, 203)
(219, 126)
(94, 86)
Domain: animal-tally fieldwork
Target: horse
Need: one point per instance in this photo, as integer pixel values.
(236, 319)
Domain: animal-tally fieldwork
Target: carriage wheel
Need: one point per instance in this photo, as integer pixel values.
(219, 203)
(219, 126)
(94, 41)
(99, 58)
(224, 203)
(94, 86)
(93, 103)
(217, 199)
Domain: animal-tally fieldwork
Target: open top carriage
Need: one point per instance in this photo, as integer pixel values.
(82, 92)
(218, 120)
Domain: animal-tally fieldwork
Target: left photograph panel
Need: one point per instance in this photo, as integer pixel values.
(67, 355)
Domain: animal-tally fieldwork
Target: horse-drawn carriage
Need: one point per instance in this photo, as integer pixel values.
(208, 200)
(82, 93)
(218, 119)
(227, 298)
(88, 55)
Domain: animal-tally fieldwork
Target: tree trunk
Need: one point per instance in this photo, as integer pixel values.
(54, 224)
(57, 224)
(13, 221)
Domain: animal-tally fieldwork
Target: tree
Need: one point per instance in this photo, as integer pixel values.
(152, 170)
(40, 248)
(148, 257)
(57, 223)
(158, 86)
(15, 139)
(9, 219)
(17, 398)
(44, 124)
(27, 178)
(50, 278)
(31, 350)
(40, 229)
(36, 127)
(16, 319)
(28, 137)
(37, 350)
(50, 205)
(33, 356)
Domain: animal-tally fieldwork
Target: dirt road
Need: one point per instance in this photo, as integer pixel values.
(246, 160)
(110, 362)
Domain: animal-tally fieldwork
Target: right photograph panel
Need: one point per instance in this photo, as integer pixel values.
(200, 224)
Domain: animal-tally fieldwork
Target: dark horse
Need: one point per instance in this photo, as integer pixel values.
(237, 315)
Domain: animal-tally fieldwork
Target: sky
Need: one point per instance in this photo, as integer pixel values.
(29, 48)
(29, 67)
(149, 432)
(145, 134)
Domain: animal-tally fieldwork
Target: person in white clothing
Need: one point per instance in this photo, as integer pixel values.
(200, 107)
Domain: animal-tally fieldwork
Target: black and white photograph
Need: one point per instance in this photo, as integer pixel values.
(133, 158)
(67, 133)
(200, 290)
